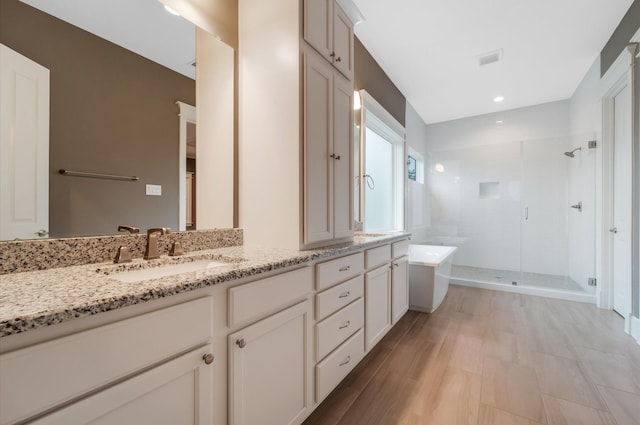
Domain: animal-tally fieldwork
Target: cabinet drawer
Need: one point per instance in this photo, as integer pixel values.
(400, 248)
(333, 330)
(255, 300)
(332, 300)
(335, 271)
(43, 376)
(338, 364)
(377, 256)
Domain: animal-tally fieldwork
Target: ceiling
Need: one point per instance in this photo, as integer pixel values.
(142, 26)
(430, 49)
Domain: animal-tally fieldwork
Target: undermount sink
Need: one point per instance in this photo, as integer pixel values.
(138, 275)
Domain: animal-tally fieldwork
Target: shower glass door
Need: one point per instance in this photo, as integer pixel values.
(558, 216)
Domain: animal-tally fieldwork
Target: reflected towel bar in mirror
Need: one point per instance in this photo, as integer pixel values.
(97, 175)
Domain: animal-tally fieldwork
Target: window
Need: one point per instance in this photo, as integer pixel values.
(382, 169)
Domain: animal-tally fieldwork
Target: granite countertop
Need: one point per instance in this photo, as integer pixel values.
(36, 299)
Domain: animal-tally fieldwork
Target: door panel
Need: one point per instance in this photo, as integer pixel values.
(343, 167)
(622, 203)
(24, 146)
(318, 166)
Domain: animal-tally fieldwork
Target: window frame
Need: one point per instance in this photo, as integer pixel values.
(375, 117)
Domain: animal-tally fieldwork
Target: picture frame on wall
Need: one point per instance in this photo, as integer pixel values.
(412, 169)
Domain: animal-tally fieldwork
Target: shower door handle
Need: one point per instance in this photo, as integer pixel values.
(614, 230)
(526, 213)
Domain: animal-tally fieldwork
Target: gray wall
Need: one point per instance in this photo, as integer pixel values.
(112, 112)
(620, 37)
(370, 76)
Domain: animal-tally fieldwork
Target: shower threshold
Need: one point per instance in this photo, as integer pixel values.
(552, 286)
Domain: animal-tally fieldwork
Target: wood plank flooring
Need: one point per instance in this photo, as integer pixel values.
(494, 358)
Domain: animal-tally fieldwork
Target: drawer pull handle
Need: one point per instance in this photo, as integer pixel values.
(345, 294)
(346, 361)
(208, 358)
(344, 268)
(241, 343)
(345, 325)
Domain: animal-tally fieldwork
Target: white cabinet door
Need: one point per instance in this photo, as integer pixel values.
(377, 292)
(399, 288)
(270, 369)
(318, 163)
(343, 176)
(176, 392)
(342, 42)
(318, 21)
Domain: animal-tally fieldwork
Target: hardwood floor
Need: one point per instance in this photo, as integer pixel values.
(494, 358)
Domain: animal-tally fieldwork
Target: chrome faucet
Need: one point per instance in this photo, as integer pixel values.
(151, 252)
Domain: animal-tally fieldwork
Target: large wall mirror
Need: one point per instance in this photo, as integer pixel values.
(121, 103)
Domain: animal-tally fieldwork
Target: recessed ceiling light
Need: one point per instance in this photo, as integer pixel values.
(498, 99)
(170, 10)
(499, 122)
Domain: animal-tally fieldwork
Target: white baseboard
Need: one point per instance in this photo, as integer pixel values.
(634, 328)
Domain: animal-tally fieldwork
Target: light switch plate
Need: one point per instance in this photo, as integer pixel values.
(154, 190)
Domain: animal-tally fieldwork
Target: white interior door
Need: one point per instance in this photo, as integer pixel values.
(621, 228)
(24, 147)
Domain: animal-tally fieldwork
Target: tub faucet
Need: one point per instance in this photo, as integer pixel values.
(152, 242)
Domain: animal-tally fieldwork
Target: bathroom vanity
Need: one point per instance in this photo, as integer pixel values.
(260, 337)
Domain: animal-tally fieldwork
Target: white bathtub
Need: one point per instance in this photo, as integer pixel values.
(429, 274)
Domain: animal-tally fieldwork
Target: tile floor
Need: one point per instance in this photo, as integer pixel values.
(494, 358)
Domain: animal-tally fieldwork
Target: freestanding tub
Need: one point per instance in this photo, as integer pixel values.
(429, 274)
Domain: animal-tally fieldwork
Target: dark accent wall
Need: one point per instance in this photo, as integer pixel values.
(111, 111)
(370, 76)
(627, 27)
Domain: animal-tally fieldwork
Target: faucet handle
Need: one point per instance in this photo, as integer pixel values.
(123, 255)
(129, 229)
(176, 249)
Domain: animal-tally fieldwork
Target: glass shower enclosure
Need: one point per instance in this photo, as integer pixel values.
(521, 213)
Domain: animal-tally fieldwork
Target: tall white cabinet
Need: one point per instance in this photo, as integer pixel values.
(296, 123)
(328, 143)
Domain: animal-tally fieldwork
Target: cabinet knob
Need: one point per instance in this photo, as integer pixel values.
(338, 59)
(208, 358)
(241, 343)
(346, 361)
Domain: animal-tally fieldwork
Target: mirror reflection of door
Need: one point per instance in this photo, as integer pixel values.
(24, 147)
(187, 166)
(191, 176)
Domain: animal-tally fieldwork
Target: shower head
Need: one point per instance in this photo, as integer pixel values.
(571, 154)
